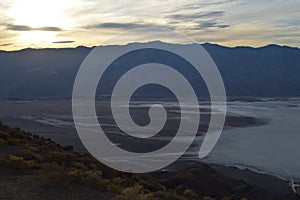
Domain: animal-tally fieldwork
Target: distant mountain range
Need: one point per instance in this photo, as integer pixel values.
(270, 71)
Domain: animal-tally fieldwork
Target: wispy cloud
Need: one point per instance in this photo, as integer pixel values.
(28, 28)
(7, 44)
(63, 42)
(113, 25)
(210, 24)
(185, 17)
(89, 22)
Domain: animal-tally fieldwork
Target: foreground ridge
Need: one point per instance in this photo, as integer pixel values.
(33, 167)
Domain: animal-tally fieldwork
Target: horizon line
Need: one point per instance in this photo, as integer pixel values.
(205, 43)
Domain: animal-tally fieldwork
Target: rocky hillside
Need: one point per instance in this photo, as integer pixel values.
(33, 167)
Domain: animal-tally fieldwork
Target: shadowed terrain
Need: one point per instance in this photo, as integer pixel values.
(33, 167)
(246, 71)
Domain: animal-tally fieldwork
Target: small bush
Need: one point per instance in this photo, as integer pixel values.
(114, 188)
(17, 162)
(68, 148)
(60, 157)
(32, 148)
(149, 183)
(191, 194)
(29, 155)
(77, 177)
(4, 135)
(14, 141)
(133, 193)
(91, 178)
(94, 179)
(117, 180)
(80, 166)
(167, 195)
(53, 175)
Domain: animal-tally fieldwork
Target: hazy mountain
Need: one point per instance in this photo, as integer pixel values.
(267, 71)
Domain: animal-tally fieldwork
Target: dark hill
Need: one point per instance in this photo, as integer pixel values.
(32, 167)
(270, 71)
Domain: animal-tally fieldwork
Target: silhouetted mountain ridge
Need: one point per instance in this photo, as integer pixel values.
(269, 71)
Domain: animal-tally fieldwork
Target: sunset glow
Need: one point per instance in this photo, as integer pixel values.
(54, 23)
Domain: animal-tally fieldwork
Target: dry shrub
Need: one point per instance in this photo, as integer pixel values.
(14, 141)
(29, 155)
(132, 193)
(80, 166)
(4, 135)
(53, 175)
(56, 156)
(117, 180)
(190, 194)
(93, 179)
(17, 162)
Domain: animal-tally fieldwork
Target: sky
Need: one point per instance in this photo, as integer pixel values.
(71, 23)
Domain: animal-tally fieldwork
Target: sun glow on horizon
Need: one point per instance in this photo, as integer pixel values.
(36, 14)
(71, 23)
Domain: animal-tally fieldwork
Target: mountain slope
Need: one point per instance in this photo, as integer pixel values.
(32, 167)
(267, 71)
(270, 71)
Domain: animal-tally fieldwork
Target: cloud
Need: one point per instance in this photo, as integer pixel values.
(205, 4)
(211, 24)
(48, 28)
(19, 28)
(222, 2)
(13, 27)
(213, 14)
(223, 26)
(4, 6)
(251, 22)
(7, 44)
(63, 42)
(202, 20)
(202, 6)
(112, 25)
